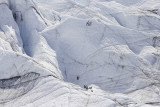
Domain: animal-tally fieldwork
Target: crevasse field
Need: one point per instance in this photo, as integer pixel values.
(79, 53)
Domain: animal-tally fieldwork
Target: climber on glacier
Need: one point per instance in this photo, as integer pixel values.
(77, 77)
(86, 87)
(15, 16)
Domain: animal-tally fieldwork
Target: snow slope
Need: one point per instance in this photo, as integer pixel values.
(51, 49)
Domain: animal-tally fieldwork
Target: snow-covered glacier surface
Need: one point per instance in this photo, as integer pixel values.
(79, 53)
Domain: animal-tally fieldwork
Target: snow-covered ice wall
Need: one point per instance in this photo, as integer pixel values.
(52, 51)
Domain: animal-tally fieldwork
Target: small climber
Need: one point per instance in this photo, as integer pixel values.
(89, 23)
(15, 16)
(86, 87)
(77, 77)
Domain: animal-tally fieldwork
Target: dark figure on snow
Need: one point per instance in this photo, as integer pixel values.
(77, 77)
(86, 87)
(15, 16)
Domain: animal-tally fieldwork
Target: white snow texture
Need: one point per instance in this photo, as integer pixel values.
(79, 53)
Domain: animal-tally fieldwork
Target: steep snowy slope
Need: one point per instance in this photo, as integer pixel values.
(51, 49)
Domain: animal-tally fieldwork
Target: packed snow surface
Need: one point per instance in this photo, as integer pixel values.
(80, 53)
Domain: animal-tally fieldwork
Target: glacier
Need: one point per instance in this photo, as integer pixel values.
(79, 53)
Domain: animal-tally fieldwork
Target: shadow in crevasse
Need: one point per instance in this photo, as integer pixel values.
(17, 86)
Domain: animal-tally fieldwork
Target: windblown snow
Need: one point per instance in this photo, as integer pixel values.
(79, 53)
